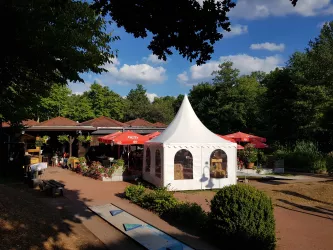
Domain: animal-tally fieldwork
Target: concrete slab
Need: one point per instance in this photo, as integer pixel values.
(143, 233)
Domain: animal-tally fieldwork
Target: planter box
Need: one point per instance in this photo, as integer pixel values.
(119, 175)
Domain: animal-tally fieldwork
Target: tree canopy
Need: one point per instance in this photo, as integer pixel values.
(50, 42)
(191, 27)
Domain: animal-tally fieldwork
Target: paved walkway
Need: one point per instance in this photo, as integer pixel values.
(83, 192)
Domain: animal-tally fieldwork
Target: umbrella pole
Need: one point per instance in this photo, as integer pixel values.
(128, 153)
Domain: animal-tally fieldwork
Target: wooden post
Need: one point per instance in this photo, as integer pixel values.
(71, 140)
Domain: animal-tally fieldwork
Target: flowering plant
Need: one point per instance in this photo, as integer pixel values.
(240, 164)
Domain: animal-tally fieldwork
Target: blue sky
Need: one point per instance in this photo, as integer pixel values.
(264, 34)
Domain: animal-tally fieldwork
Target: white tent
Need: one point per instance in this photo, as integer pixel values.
(188, 156)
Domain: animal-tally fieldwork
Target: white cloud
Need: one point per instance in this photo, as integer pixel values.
(78, 87)
(131, 74)
(151, 96)
(236, 30)
(153, 59)
(183, 77)
(263, 8)
(245, 63)
(268, 46)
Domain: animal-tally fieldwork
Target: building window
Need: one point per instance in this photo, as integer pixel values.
(147, 160)
(158, 166)
(218, 164)
(183, 165)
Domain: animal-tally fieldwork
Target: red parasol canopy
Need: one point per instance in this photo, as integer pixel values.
(153, 135)
(107, 138)
(258, 144)
(128, 138)
(243, 137)
(239, 147)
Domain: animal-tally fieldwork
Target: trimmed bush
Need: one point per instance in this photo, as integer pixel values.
(242, 217)
(159, 200)
(135, 193)
(188, 215)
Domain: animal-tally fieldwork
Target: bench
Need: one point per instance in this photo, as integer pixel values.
(52, 187)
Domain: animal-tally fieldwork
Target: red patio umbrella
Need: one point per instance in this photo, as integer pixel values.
(128, 138)
(243, 137)
(107, 138)
(153, 135)
(239, 147)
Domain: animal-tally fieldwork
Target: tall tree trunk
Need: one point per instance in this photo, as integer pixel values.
(71, 140)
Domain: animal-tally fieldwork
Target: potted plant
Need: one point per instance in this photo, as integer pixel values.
(84, 140)
(39, 142)
(250, 154)
(63, 139)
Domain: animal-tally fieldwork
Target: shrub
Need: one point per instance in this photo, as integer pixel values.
(242, 217)
(329, 163)
(319, 165)
(159, 200)
(135, 193)
(250, 153)
(304, 155)
(188, 215)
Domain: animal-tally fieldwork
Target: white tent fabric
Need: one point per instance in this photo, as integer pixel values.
(187, 135)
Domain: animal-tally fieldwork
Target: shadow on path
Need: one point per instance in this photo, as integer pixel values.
(29, 219)
(307, 209)
(292, 193)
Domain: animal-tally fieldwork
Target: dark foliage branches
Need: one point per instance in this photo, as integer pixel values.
(185, 25)
(192, 29)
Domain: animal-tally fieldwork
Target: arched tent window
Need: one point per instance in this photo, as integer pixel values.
(218, 164)
(158, 165)
(183, 165)
(147, 160)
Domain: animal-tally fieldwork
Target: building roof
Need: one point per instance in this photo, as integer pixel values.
(57, 122)
(160, 125)
(26, 123)
(5, 124)
(102, 121)
(139, 123)
(187, 128)
(29, 123)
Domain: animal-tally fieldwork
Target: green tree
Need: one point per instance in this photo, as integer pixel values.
(55, 103)
(232, 102)
(50, 42)
(78, 108)
(162, 109)
(203, 98)
(177, 103)
(277, 106)
(105, 102)
(138, 104)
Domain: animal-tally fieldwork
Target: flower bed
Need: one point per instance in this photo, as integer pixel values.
(96, 171)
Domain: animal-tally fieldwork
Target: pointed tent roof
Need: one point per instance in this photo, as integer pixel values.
(187, 128)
